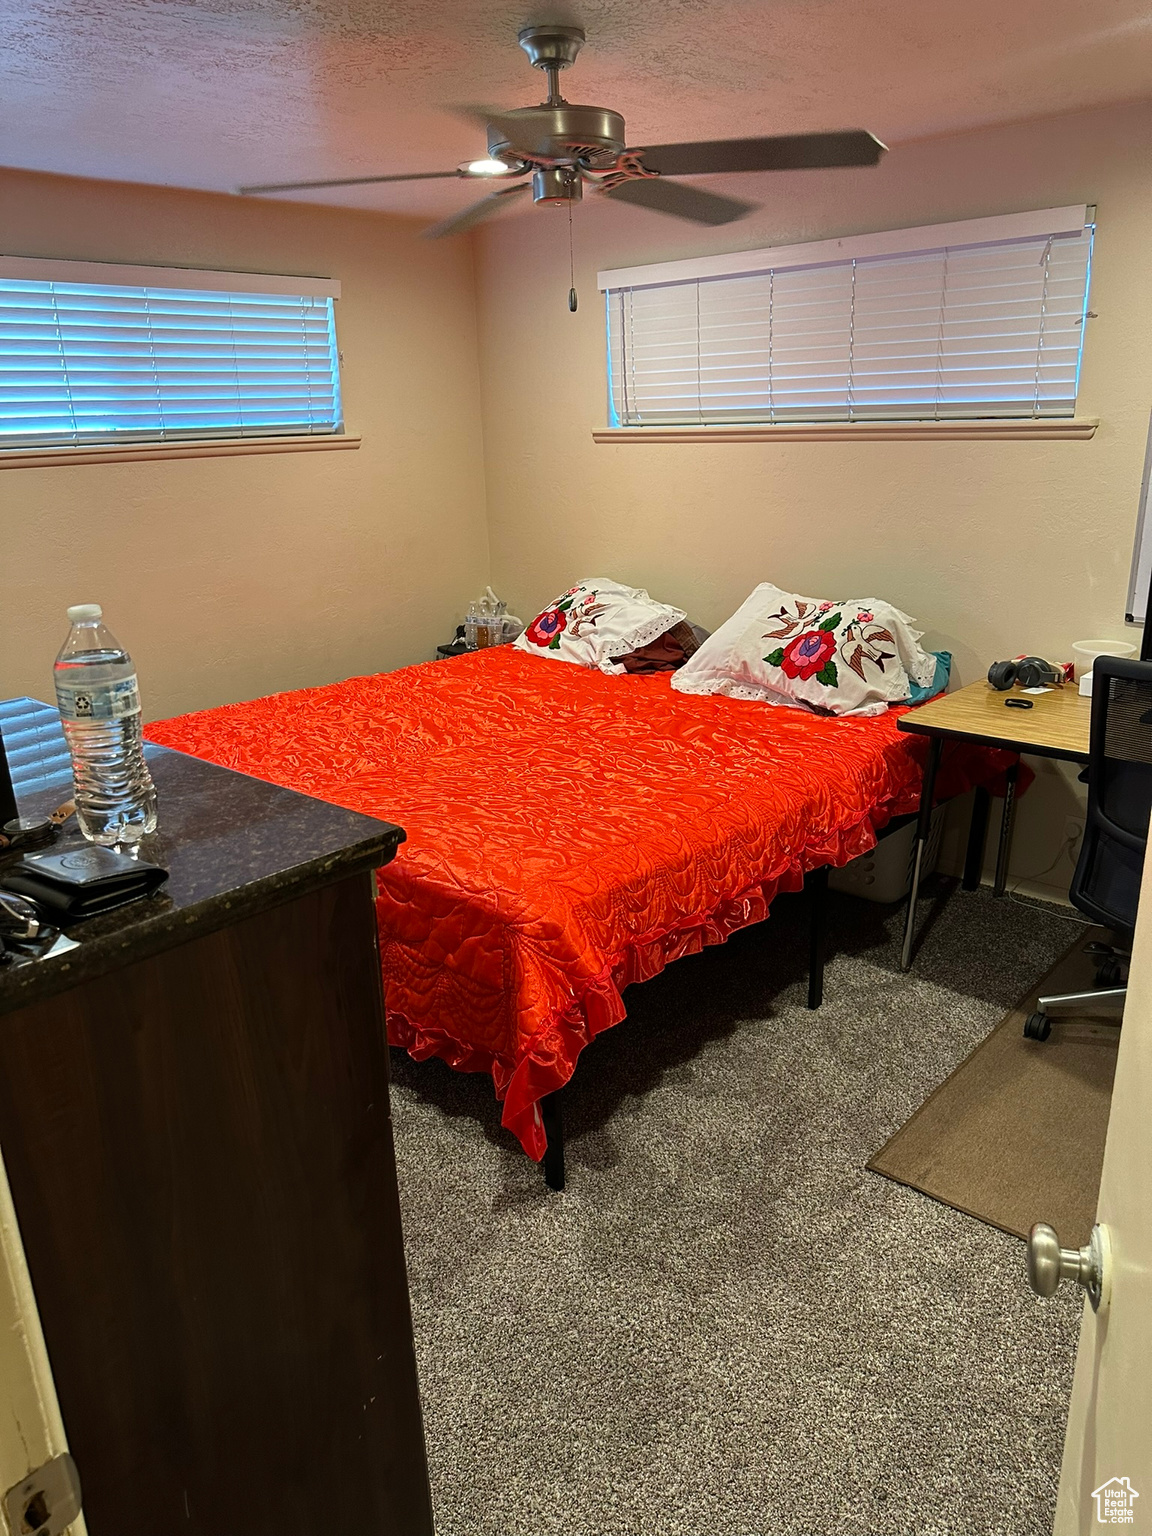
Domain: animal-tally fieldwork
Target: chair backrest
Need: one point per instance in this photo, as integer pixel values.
(1106, 884)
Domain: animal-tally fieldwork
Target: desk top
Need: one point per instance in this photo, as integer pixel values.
(1058, 724)
(233, 846)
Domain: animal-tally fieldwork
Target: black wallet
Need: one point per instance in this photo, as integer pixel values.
(79, 882)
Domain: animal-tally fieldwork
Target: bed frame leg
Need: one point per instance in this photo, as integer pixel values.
(817, 920)
(554, 1130)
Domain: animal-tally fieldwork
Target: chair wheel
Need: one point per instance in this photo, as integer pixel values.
(1110, 972)
(1037, 1026)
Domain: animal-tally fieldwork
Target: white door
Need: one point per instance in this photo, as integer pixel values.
(1106, 1478)
(31, 1431)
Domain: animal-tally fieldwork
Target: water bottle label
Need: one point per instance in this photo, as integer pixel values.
(104, 701)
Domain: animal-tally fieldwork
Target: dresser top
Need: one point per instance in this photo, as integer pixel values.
(233, 846)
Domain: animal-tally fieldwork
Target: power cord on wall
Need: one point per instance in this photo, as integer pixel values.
(1049, 908)
(1068, 846)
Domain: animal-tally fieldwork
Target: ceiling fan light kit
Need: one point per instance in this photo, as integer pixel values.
(563, 146)
(488, 167)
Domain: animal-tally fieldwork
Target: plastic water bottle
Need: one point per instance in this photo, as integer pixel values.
(99, 705)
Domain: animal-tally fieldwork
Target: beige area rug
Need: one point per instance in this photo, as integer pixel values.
(1016, 1134)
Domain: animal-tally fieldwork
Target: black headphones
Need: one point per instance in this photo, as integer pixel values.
(1027, 671)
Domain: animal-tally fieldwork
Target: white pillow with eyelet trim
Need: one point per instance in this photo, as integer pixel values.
(851, 657)
(595, 622)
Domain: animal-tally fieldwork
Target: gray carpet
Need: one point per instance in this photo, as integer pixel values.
(726, 1326)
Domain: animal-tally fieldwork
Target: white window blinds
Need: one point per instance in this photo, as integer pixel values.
(174, 356)
(35, 746)
(988, 322)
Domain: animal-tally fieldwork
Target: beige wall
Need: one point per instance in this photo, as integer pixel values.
(996, 547)
(232, 577)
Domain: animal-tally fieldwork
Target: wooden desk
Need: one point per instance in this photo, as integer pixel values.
(1058, 725)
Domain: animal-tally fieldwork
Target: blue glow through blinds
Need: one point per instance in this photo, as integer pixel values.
(85, 363)
(970, 331)
(34, 741)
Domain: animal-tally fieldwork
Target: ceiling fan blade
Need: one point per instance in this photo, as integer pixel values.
(681, 201)
(506, 125)
(345, 181)
(474, 112)
(484, 209)
(489, 117)
(785, 152)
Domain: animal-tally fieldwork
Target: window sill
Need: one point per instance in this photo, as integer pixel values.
(203, 448)
(1068, 429)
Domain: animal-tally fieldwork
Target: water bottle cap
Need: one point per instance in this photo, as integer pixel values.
(85, 613)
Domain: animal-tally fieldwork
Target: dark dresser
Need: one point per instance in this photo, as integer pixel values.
(194, 1117)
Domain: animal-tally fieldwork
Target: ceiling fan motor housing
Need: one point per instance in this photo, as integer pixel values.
(565, 134)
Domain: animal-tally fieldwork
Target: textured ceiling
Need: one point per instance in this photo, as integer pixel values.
(213, 93)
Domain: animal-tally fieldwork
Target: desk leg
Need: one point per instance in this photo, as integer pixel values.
(977, 835)
(923, 826)
(1006, 818)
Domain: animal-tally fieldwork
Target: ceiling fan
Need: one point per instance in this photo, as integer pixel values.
(563, 146)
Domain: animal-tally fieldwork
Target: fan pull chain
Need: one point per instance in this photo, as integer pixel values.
(572, 300)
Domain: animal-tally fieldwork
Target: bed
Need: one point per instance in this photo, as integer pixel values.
(568, 833)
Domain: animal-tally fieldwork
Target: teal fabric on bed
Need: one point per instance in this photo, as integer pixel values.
(939, 682)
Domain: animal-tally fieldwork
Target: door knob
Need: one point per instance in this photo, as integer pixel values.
(1048, 1263)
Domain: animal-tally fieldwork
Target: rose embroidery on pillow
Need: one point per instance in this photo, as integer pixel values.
(546, 628)
(809, 654)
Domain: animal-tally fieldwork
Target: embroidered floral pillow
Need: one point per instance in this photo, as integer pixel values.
(597, 621)
(856, 656)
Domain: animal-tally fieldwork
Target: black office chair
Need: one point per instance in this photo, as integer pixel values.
(1106, 885)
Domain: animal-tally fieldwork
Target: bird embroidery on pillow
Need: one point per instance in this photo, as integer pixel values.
(584, 615)
(862, 642)
(789, 624)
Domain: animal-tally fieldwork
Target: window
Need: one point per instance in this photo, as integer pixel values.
(34, 744)
(96, 354)
(954, 321)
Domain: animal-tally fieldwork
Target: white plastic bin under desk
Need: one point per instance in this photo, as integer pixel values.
(885, 872)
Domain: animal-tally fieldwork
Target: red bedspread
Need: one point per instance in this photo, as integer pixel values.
(568, 833)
